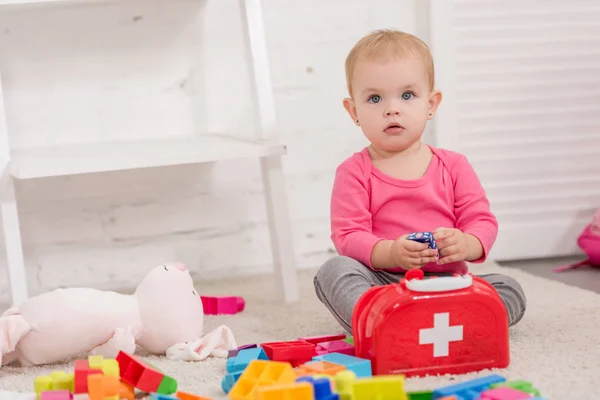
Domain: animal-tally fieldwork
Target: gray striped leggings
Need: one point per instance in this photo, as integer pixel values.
(341, 281)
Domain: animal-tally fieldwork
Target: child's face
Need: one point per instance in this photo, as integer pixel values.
(392, 102)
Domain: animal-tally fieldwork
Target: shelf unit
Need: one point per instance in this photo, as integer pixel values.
(44, 162)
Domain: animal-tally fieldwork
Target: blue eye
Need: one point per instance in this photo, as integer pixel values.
(375, 98)
(407, 95)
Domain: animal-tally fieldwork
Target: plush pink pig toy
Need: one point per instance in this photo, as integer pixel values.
(164, 316)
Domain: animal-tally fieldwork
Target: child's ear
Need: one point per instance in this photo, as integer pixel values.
(351, 108)
(435, 98)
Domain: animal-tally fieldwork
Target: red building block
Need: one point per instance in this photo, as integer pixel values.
(296, 353)
(222, 305)
(81, 372)
(142, 376)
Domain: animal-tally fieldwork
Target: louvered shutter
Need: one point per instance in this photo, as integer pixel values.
(521, 84)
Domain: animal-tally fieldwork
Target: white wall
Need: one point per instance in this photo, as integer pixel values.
(146, 69)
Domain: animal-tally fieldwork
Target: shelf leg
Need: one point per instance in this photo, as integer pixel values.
(12, 239)
(273, 178)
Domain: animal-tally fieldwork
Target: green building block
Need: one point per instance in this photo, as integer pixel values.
(420, 395)
(349, 340)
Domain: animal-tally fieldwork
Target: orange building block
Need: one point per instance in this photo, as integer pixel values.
(319, 367)
(289, 391)
(188, 396)
(126, 391)
(102, 387)
(261, 373)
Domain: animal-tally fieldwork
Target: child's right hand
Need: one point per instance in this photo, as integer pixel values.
(409, 254)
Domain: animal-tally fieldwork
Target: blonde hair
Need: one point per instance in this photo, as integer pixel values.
(384, 44)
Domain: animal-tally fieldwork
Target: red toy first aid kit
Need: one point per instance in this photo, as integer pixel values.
(437, 325)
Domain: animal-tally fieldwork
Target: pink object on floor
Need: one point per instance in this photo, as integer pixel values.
(336, 346)
(324, 338)
(56, 395)
(222, 305)
(504, 393)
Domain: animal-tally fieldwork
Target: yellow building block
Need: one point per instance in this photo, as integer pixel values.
(343, 384)
(95, 362)
(260, 373)
(57, 380)
(382, 387)
(288, 391)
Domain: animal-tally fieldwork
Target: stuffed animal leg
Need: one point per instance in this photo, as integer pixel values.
(216, 343)
(122, 339)
(13, 328)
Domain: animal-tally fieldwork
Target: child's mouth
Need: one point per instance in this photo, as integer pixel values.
(394, 129)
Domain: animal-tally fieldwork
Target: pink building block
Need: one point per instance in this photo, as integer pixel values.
(222, 305)
(336, 346)
(324, 338)
(56, 395)
(504, 393)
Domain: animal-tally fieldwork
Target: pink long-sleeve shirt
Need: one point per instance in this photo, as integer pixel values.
(368, 205)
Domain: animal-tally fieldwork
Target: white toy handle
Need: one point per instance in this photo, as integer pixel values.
(439, 284)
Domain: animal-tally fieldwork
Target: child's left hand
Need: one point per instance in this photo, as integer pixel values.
(452, 244)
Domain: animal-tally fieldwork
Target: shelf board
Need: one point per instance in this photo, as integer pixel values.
(42, 162)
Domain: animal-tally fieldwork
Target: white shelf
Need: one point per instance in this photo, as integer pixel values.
(102, 157)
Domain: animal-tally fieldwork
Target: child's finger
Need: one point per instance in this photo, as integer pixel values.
(447, 251)
(411, 245)
(443, 233)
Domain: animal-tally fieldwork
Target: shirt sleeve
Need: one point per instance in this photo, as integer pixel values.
(351, 223)
(472, 207)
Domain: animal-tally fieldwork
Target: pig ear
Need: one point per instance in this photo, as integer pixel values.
(216, 343)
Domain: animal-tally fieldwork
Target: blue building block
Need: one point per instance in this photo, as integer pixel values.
(322, 388)
(360, 366)
(156, 396)
(469, 390)
(243, 358)
(229, 380)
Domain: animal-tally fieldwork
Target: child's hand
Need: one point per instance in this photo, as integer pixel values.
(409, 254)
(452, 244)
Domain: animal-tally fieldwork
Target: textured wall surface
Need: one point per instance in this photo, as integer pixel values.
(137, 70)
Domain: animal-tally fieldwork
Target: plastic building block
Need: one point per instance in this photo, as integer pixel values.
(295, 353)
(521, 385)
(229, 380)
(320, 367)
(422, 395)
(126, 391)
(424, 237)
(288, 391)
(243, 358)
(57, 395)
(504, 393)
(322, 388)
(81, 372)
(101, 387)
(350, 340)
(323, 338)
(142, 376)
(360, 366)
(222, 305)
(384, 387)
(56, 381)
(469, 389)
(336, 346)
(437, 325)
(261, 373)
(234, 352)
(188, 396)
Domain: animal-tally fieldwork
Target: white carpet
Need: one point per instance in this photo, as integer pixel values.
(556, 345)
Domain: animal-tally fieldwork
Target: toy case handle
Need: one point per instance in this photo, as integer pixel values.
(414, 281)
